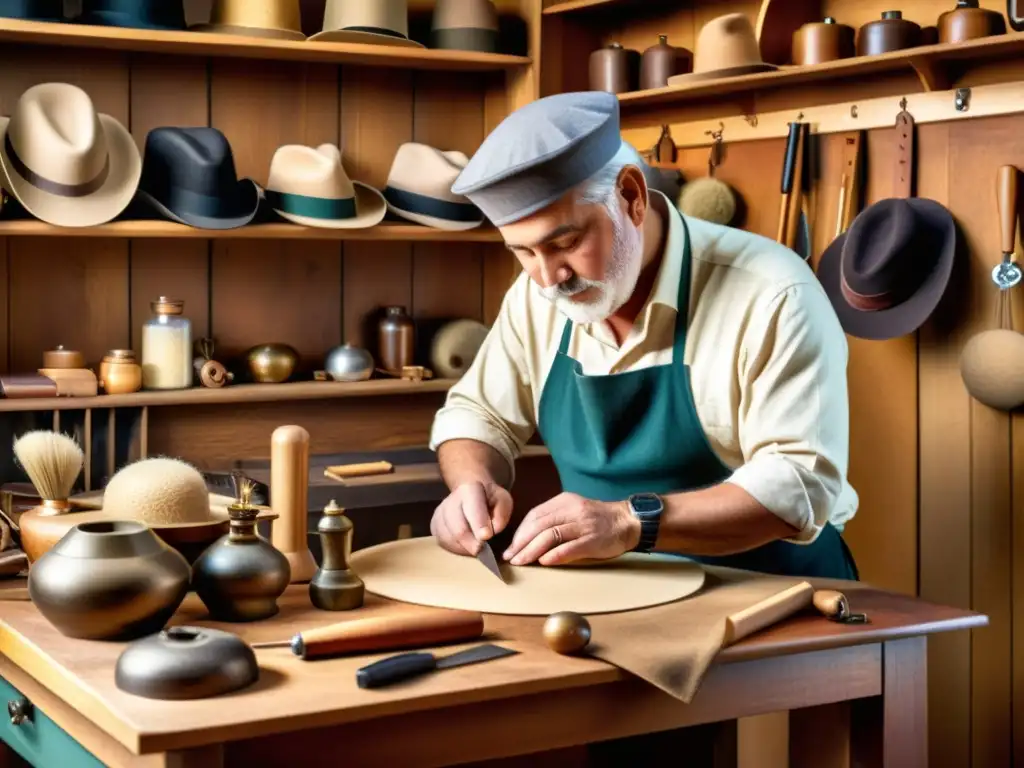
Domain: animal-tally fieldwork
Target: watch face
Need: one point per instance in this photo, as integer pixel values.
(645, 503)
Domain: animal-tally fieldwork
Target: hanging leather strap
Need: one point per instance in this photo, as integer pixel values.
(903, 183)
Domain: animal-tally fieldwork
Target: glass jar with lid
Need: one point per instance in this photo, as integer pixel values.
(167, 346)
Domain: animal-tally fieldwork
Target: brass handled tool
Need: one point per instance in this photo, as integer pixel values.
(1007, 274)
(384, 633)
(835, 607)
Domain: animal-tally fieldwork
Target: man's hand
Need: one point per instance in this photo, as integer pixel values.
(472, 513)
(569, 527)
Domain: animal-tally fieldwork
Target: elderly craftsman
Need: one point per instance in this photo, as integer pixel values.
(689, 379)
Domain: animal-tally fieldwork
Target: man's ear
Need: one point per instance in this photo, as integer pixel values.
(633, 187)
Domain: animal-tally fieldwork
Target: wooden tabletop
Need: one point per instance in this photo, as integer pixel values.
(293, 694)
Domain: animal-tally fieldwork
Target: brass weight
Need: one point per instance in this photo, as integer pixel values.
(566, 632)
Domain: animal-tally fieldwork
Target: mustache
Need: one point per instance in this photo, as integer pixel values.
(566, 288)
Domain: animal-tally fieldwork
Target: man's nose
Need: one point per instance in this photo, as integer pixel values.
(553, 274)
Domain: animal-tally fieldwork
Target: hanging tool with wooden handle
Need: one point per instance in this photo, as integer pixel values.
(849, 189)
(788, 170)
(1007, 274)
(799, 235)
(384, 633)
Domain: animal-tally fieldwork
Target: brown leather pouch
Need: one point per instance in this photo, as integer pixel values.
(19, 385)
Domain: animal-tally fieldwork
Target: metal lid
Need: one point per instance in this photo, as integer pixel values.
(332, 508)
(892, 14)
(167, 306)
(120, 356)
(829, 20)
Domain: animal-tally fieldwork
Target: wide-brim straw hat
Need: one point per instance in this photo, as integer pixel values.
(274, 19)
(163, 493)
(888, 272)
(419, 188)
(370, 22)
(726, 47)
(309, 186)
(63, 161)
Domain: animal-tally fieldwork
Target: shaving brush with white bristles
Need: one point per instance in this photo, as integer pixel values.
(52, 462)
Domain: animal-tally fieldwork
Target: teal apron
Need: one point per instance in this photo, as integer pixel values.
(638, 432)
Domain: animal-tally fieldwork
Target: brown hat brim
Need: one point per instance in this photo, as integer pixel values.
(911, 314)
(715, 74)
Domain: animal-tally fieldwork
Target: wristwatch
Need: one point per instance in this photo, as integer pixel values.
(647, 508)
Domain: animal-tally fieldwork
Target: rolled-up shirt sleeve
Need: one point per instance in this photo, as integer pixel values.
(793, 421)
(493, 401)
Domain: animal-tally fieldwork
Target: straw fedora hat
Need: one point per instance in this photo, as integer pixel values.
(276, 19)
(419, 188)
(375, 22)
(310, 187)
(66, 163)
(163, 493)
(726, 47)
(465, 25)
(888, 272)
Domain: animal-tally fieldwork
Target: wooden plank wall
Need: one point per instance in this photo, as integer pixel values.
(940, 476)
(94, 294)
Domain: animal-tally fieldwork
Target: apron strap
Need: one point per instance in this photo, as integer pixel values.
(563, 346)
(682, 296)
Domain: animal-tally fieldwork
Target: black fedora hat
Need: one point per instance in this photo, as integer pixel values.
(888, 272)
(188, 176)
(32, 10)
(136, 14)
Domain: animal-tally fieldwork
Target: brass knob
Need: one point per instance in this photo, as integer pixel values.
(20, 710)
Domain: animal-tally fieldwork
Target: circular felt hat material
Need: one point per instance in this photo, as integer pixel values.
(63, 161)
(309, 186)
(419, 571)
(369, 22)
(419, 188)
(274, 19)
(188, 176)
(726, 47)
(888, 272)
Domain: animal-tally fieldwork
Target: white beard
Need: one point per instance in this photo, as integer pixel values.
(618, 285)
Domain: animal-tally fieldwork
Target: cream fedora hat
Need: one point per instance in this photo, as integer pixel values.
(63, 161)
(419, 188)
(310, 187)
(377, 22)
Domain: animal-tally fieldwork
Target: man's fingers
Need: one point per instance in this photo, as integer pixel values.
(458, 526)
(545, 541)
(570, 551)
(501, 508)
(476, 509)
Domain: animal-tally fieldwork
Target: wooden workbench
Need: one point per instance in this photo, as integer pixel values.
(312, 713)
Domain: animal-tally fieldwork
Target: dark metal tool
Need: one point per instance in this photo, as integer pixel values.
(486, 556)
(408, 665)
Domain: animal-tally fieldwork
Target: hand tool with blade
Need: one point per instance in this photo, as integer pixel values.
(408, 665)
(383, 633)
(788, 169)
(486, 556)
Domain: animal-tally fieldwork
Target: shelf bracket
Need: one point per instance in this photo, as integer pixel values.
(933, 75)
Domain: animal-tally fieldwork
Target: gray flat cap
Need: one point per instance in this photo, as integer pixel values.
(540, 152)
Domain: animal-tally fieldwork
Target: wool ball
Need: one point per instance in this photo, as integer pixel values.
(158, 491)
(708, 199)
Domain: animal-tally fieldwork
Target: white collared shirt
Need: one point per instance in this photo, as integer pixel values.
(767, 359)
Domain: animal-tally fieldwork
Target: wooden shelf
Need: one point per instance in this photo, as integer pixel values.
(237, 46)
(937, 67)
(170, 229)
(236, 393)
(567, 6)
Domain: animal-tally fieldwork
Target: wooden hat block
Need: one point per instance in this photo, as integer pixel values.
(289, 499)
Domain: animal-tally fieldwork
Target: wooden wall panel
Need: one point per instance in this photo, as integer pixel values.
(93, 288)
(376, 119)
(449, 115)
(267, 291)
(177, 268)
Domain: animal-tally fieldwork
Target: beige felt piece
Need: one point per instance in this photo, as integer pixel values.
(419, 571)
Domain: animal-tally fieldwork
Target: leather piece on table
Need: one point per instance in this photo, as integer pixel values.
(672, 646)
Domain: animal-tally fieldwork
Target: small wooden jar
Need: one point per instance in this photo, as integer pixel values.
(968, 22)
(661, 61)
(890, 33)
(821, 41)
(120, 373)
(614, 69)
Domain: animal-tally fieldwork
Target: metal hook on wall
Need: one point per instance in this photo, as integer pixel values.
(715, 156)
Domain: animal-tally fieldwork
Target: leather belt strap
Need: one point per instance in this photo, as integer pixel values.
(903, 182)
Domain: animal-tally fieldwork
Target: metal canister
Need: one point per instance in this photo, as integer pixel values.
(614, 69)
(396, 339)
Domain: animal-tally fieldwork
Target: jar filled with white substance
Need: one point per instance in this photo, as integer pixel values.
(167, 346)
